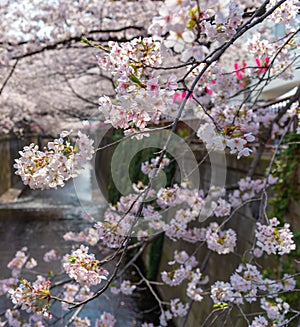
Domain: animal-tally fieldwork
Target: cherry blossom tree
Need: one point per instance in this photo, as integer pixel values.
(64, 70)
(165, 61)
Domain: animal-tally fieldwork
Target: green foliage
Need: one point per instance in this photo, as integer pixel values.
(286, 188)
(220, 305)
(183, 133)
(72, 259)
(135, 79)
(193, 20)
(284, 193)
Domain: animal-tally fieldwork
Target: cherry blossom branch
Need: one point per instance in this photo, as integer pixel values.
(78, 95)
(185, 319)
(206, 112)
(150, 130)
(133, 259)
(109, 281)
(78, 38)
(243, 314)
(129, 248)
(215, 57)
(76, 313)
(245, 27)
(9, 76)
(286, 323)
(221, 310)
(264, 197)
(117, 30)
(168, 68)
(261, 79)
(268, 71)
(160, 303)
(123, 246)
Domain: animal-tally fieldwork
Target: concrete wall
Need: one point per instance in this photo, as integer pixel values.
(9, 151)
(5, 169)
(218, 267)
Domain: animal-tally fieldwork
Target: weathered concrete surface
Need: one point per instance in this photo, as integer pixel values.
(9, 151)
(219, 267)
(5, 169)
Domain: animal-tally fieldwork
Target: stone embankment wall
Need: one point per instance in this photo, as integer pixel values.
(9, 151)
(218, 267)
(5, 170)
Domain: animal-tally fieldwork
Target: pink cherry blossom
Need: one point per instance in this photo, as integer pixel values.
(83, 267)
(33, 297)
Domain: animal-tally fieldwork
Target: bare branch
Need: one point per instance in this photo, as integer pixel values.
(9, 75)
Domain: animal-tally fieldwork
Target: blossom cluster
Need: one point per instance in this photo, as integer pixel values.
(217, 142)
(177, 276)
(259, 321)
(58, 162)
(285, 13)
(186, 271)
(220, 241)
(275, 309)
(7, 284)
(33, 297)
(118, 221)
(265, 52)
(17, 263)
(273, 239)
(69, 293)
(190, 204)
(193, 291)
(195, 34)
(20, 261)
(149, 168)
(15, 318)
(51, 256)
(184, 21)
(247, 189)
(88, 235)
(73, 292)
(246, 284)
(83, 267)
(23, 22)
(141, 96)
(126, 288)
(105, 320)
(177, 309)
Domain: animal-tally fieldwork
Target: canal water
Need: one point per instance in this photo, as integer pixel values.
(38, 220)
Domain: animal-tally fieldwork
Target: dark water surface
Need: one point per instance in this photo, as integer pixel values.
(38, 221)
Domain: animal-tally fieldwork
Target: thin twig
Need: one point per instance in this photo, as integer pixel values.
(9, 75)
(76, 313)
(152, 130)
(160, 303)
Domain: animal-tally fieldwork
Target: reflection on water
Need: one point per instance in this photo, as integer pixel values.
(38, 221)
